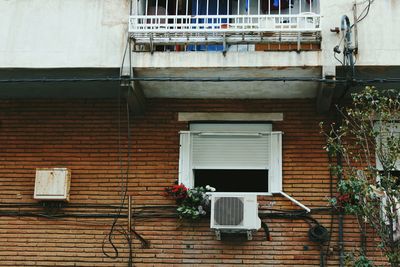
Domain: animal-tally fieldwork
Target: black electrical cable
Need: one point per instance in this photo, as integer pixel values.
(314, 232)
(268, 210)
(155, 206)
(110, 233)
(69, 205)
(264, 226)
(339, 163)
(366, 10)
(123, 57)
(130, 58)
(336, 50)
(273, 214)
(169, 213)
(331, 209)
(124, 182)
(124, 188)
(62, 215)
(86, 205)
(362, 16)
(277, 211)
(168, 79)
(203, 79)
(144, 242)
(334, 54)
(128, 239)
(130, 258)
(290, 215)
(321, 209)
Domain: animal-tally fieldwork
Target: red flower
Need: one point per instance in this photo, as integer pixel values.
(344, 198)
(178, 192)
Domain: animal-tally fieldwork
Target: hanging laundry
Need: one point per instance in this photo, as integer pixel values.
(275, 5)
(213, 9)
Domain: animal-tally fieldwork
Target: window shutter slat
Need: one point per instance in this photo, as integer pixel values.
(185, 170)
(275, 182)
(231, 152)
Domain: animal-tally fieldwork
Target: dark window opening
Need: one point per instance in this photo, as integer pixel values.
(396, 177)
(233, 180)
(396, 174)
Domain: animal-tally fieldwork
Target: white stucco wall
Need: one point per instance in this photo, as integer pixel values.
(378, 34)
(92, 33)
(62, 33)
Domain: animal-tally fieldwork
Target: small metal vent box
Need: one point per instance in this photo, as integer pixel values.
(52, 184)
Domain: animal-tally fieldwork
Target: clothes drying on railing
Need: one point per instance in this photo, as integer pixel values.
(159, 10)
(275, 5)
(199, 7)
(214, 8)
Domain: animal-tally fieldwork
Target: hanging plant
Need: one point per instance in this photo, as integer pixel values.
(192, 203)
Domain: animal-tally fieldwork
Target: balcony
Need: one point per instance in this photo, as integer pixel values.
(227, 25)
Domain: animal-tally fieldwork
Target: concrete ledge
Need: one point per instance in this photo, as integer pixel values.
(224, 116)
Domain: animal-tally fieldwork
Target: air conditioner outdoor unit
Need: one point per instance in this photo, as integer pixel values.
(234, 213)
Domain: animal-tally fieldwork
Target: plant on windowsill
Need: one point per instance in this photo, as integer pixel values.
(192, 203)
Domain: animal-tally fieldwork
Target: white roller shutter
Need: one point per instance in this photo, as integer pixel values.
(231, 146)
(231, 151)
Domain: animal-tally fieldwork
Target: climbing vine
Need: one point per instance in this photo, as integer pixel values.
(367, 142)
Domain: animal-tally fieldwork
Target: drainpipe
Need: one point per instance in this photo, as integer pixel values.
(130, 262)
(321, 257)
(348, 61)
(341, 243)
(339, 162)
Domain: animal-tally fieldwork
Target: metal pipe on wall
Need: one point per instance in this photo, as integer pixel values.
(339, 163)
(129, 214)
(130, 263)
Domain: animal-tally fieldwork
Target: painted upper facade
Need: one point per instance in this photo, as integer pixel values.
(88, 33)
(88, 129)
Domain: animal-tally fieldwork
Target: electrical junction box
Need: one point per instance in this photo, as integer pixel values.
(52, 184)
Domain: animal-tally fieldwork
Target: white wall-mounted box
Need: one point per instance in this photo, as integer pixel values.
(52, 184)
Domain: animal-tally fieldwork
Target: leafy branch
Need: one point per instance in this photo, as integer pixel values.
(368, 141)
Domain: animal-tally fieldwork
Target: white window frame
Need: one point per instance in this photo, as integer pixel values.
(186, 174)
(394, 128)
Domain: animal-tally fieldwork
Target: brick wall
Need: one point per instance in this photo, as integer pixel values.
(90, 138)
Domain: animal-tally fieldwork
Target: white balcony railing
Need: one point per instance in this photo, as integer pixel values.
(161, 22)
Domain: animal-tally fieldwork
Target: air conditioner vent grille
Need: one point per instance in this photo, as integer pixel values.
(229, 211)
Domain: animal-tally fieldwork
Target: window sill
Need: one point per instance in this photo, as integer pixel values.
(241, 193)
